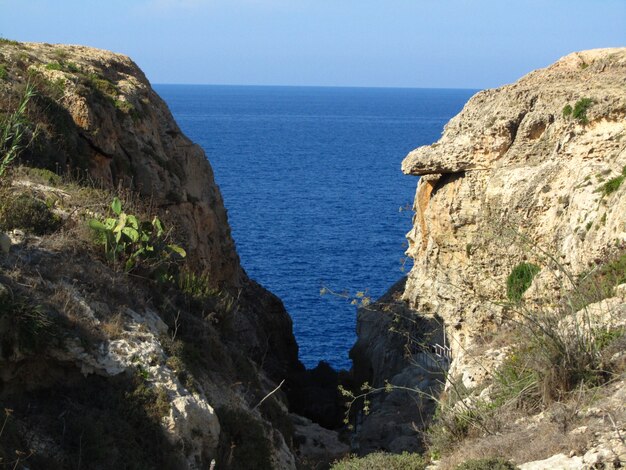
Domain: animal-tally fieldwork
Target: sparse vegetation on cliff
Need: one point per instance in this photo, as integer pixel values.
(380, 460)
(520, 279)
(579, 111)
(613, 184)
(120, 369)
(14, 131)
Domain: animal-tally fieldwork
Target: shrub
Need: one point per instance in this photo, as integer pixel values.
(3, 72)
(378, 460)
(54, 66)
(486, 464)
(10, 42)
(28, 213)
(580, 109)
(567, 110)
(563, 346)
(28, 326)
(519, 280)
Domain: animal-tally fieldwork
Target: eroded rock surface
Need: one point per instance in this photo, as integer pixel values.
(514, 180)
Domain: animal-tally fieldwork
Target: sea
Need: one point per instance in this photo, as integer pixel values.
(316, 200)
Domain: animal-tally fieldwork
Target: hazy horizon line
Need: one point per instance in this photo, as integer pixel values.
(319, 86)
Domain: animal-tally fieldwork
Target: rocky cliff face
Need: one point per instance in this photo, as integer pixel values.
(102, 367)
(529, 174)
(512, 179)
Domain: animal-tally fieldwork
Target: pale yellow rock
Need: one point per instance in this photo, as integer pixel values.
(513, 180)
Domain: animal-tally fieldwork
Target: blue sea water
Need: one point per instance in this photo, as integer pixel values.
(315, 196)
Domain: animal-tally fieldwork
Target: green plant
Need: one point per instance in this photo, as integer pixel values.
(3, 72)
(380, 460)
(13, 130)
(519, 280)
(580, 109)
(54, 66)
(613, 184)
(23, 211)
(495, 463)
(195, 285)
(10, 42)
(28, 327)
(567, 110)
(561, 347)
(131, 242)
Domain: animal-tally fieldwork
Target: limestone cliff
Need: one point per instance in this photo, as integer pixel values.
(512, 175)
(113, 370)
(527, 175)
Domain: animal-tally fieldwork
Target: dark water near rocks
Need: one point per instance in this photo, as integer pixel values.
(312, 183)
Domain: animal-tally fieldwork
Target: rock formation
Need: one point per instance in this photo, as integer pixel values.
(105, 367)
(513, 175)
(529, 173)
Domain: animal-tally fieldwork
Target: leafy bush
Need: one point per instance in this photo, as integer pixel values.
(580, 109)
(3, 72)
(567, 110)
(28, 213)
(519, 280)
(379, 460)
(128, 241)
(487, 464)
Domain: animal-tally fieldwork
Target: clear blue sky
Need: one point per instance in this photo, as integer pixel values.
(408, 43)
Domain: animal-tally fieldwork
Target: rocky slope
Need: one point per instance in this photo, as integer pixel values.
(117, 370)
(529, 174)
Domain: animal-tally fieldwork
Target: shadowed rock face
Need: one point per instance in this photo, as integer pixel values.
(99, 119)
(514, 178)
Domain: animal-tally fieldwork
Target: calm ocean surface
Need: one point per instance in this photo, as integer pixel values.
(312, 183)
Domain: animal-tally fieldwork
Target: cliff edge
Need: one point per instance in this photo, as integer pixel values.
(130, 335)
(510, 327)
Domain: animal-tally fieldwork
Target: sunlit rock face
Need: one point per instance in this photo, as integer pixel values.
(518, 176)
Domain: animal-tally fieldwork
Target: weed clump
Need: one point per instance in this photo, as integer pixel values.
(9, 42)
(27, 213)
(579, 111)
(519, 280)
(487, 464)
(28, 326)
(613, 184)
(377, 460)
(567, 110)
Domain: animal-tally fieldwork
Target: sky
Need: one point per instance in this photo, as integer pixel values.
(383, 43)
